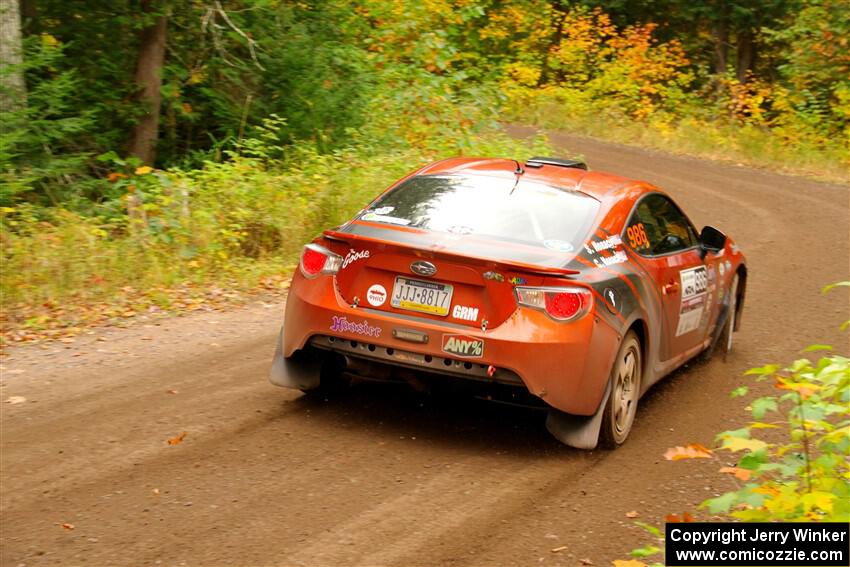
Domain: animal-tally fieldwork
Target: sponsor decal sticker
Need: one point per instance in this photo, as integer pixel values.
(376, 295)
(383, 210)
(465, 313)
(516, 280)
(495, 276)
(558, 245)
(463, 346)
(694, 285)
(343, 325)
(375, 217)
(610, 298)
(354, 255)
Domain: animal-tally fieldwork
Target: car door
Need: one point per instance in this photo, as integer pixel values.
(668, 248)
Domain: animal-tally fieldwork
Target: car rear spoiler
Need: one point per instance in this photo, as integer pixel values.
(504, 264)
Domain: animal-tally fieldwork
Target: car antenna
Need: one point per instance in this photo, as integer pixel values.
(518, 171)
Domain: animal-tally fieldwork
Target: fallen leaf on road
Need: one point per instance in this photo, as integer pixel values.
(177, 440)
(559, 549)
(632, 514)
(740, 474)
(692, 451)
(586, 561)
(172, 391)
(628, 563)
(675, 518)
(68, 526)
(16, 400)
(147, 338)
(155, 491)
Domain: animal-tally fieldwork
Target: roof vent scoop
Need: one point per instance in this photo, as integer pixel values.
(538, 162)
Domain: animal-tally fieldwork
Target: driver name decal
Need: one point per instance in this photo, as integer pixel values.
(354, 255)
(694, 285)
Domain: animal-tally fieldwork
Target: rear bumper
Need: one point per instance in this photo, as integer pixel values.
(567, 365)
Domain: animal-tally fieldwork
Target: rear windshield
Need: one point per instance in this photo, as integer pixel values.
(528, 213)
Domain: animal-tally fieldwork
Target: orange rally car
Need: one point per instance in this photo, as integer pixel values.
(535, 282)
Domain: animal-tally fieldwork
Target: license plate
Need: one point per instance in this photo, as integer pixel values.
(425, 297)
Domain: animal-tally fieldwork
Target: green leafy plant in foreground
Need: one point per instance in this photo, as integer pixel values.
(793, 458)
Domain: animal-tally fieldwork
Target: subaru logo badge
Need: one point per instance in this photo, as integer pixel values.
(423, 268)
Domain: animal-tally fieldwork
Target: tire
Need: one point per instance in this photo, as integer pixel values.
(724, 342)
(621, 407)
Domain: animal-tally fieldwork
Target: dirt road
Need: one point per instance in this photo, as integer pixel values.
(265, 477)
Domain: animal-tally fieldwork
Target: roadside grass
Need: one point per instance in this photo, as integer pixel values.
(235, 228)
(717, 139)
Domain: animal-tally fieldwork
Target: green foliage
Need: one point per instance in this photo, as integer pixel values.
(225, 223)
(806, 477)
(41, 157)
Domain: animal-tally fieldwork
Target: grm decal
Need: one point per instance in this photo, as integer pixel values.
(465, 313)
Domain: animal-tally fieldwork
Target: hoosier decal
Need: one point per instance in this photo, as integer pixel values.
(343, 325)
(463, 346)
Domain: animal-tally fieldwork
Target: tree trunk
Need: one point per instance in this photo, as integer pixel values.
(746, 54)
(149, 80)
(555, 42)
(13, 89)
(720, 32)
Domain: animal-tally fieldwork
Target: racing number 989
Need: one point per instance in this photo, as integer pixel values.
(637, 236)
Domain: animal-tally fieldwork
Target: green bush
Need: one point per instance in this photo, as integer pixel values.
(228, 223)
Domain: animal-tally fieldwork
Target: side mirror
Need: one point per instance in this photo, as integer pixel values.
(711, 240)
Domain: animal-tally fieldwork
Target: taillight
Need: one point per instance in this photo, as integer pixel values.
(560, 303)
(317, 260)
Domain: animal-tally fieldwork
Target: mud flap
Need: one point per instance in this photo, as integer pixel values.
(579, 431)
(300, 371)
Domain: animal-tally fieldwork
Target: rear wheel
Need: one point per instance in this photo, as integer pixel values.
(622, 403)
(725, 340)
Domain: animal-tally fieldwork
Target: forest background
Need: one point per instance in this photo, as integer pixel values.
(169, 155)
